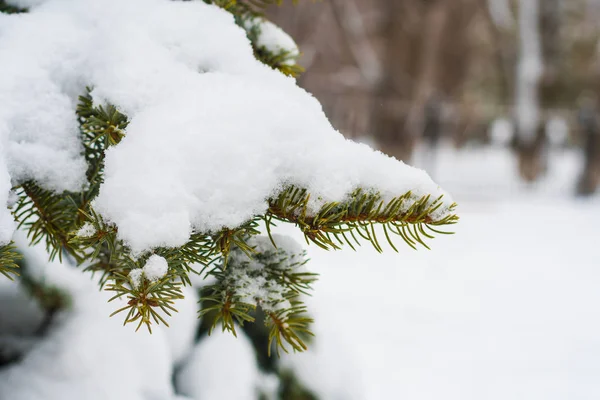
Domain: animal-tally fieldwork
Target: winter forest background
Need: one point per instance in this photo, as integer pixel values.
(498, 100)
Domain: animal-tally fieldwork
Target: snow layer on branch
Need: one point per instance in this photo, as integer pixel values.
(213, 132)
(273, 38)
(86, 231)
(155, 268)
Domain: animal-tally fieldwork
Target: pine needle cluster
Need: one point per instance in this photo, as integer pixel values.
(274, 280)
(10, 9)
(249, 14)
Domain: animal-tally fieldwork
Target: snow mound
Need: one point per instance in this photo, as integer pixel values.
(155, 268)
(233, 373)
(213, 132)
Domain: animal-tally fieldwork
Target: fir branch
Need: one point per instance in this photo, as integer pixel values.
(9, 9)
(288, 326)
(227, 238)
(69, 224)
(8, 260)
(53, 217)
(47, 216)
(145, 300)
(97, 241)
(101, 127)
(249, 14)
(226, 310)
(337, 222)
(272, 280)
(284, 61)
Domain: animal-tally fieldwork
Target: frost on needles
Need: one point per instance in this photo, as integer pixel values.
(150, 139)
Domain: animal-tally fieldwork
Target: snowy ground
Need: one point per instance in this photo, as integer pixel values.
(508, 308)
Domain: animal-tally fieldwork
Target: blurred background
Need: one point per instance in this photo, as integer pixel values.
(411, 77)
(498, 101)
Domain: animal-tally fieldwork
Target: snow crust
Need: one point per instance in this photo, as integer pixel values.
(213, 132)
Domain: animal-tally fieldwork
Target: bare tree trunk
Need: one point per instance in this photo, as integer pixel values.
(500, 22)
(530, 141)
(590, 126)
(413, 54)
(426, 84)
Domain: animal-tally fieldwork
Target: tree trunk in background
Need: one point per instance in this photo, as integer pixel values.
(530, 138)
(388, 114)
(425, 47)
(500, 23)
(424, 116)
(590, 126)
(376, 65)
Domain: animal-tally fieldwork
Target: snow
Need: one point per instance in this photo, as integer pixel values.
(136, 275)
(274, 39)
(155, 268)
(87, 230)
(213, 132)
(233, 372)
(331, 368)
(183, 325)
(471, 321)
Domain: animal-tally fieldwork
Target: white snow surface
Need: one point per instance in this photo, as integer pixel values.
(213, 132)
(155, 268)
(221, 367)
(183, 324)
